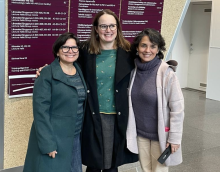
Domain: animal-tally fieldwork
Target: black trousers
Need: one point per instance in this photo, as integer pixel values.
(89, 169)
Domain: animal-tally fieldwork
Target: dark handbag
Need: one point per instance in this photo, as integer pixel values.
(164, 155)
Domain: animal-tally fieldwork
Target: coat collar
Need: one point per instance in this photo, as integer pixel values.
(165, 65)
(124, 65)
(58, 74)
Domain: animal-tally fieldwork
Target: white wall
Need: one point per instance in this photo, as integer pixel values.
(181, 49)
(215, 25)
(213, 79)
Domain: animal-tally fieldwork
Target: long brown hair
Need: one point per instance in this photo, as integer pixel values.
(94, 42)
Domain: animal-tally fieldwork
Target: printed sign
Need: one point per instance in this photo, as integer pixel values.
(34, 25)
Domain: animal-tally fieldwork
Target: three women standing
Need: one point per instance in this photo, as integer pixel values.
(155, 100)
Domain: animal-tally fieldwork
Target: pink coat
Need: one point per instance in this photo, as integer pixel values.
(170, 112)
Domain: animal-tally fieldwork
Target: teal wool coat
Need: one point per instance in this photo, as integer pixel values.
(55, 105)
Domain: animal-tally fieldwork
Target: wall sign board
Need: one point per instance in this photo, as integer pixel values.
(136, 15)
(34, 25)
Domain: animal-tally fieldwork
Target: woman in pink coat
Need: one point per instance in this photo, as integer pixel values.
(156, 104)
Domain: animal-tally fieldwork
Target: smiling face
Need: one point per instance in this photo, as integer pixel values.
(70, 56)
(147, 50)
(106, 36)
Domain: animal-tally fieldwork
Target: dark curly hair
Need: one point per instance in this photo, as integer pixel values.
(61, 40)
(154, 36)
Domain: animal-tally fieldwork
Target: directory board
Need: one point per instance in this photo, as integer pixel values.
(34, 25)
(139, 14)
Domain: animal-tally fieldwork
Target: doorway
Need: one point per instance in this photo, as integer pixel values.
(191, 49)
(199, 45)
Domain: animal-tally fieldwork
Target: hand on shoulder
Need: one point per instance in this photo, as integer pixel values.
(39, 70)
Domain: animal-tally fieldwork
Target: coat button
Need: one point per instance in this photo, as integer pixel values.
(93, 113)
(116, 91)
(119, 113)
(88, 91)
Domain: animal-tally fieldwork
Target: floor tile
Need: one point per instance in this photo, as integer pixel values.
(201, 136)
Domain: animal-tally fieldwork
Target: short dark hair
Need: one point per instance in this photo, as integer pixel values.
(154, 36)
(61, 40)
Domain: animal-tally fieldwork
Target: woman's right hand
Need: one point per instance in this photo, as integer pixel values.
(174, 147)
(52, 154)
(38, 71)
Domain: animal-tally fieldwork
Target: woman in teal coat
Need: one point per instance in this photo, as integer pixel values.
(58, 107)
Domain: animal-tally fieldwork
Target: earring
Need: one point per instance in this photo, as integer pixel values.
(137, 53)
(97, 36)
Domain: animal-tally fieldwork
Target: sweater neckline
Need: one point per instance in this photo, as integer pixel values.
(147, 67)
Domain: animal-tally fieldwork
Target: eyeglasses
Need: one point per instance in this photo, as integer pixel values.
(66, 49)
(105, 27)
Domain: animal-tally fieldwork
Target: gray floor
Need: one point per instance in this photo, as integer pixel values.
(201, 136)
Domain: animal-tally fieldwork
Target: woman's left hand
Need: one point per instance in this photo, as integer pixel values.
(174, 147)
